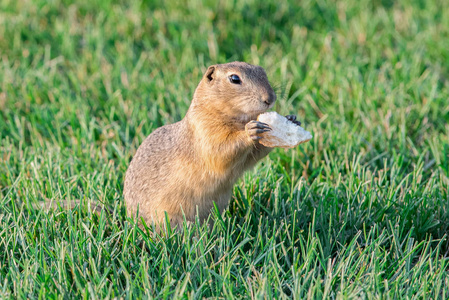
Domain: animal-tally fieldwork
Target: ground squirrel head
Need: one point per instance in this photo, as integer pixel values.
(237, 90)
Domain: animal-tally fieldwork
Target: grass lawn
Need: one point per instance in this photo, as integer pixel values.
(362, 210)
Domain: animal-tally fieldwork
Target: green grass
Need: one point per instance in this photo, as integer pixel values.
(360, 211)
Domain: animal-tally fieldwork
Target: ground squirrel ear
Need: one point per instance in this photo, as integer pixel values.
(209, 73)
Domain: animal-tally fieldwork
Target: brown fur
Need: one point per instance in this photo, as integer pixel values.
(187, 166)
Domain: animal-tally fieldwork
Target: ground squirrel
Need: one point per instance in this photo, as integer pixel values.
(187, 166)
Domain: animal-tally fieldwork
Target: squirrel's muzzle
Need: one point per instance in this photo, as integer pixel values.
(269, 98)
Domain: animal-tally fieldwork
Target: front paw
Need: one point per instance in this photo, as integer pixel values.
(292, 118)
(255, 129)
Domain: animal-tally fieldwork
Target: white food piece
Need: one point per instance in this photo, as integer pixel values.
(284, 133)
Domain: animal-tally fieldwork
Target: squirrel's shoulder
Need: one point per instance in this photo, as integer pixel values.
(163, 138)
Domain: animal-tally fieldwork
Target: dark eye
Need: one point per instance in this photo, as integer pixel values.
(235, 79)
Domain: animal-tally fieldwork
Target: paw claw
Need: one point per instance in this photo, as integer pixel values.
(292, 118)
(255, 129)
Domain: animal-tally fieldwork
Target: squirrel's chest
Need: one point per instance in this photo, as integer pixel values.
(212, 176)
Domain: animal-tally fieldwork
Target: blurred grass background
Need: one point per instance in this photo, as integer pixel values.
(360, 211)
